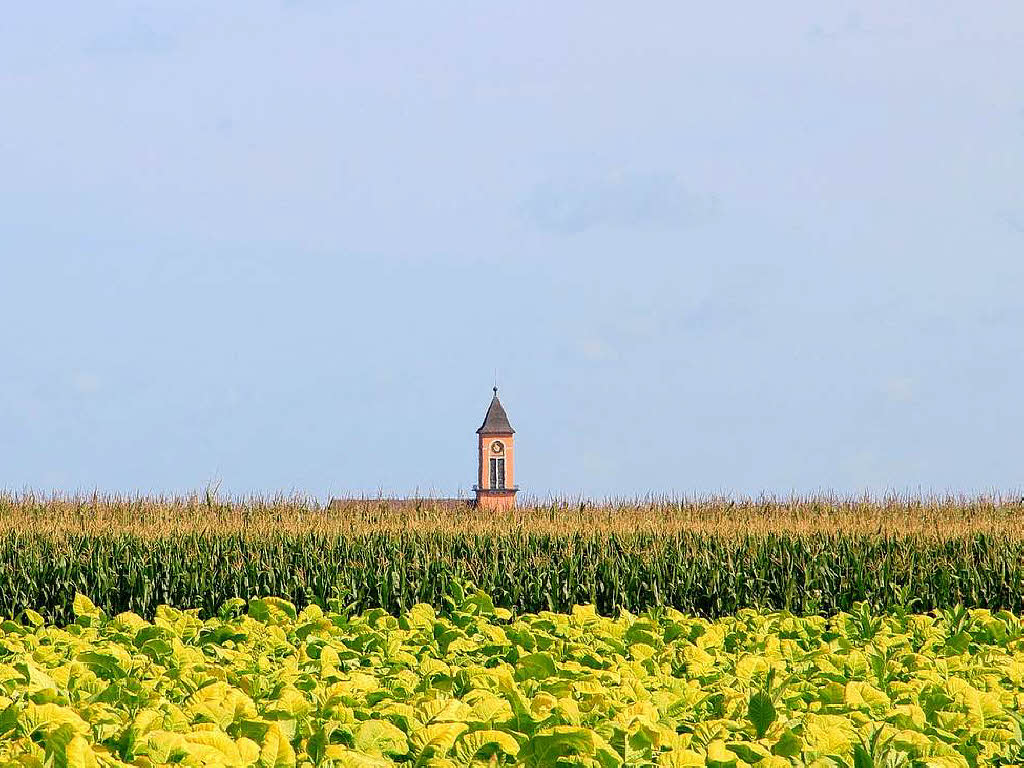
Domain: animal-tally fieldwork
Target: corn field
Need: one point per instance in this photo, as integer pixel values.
(707, 557)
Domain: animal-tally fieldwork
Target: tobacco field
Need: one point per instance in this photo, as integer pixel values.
(264, 684)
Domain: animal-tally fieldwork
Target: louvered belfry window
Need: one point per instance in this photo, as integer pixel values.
(497, 474)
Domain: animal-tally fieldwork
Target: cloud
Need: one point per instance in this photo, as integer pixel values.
(626, 201)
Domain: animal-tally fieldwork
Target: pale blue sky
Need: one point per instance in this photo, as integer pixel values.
(734, 247)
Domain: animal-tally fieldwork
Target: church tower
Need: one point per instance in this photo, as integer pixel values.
(495, 488)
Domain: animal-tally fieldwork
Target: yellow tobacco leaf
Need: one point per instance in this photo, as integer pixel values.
(78, 754)
(276, 751)
(379, 737)
(484, 744)
(436, 739)
(719, 756)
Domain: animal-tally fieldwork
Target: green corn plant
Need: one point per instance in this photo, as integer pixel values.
(706, 557)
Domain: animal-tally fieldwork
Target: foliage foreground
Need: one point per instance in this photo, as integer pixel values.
(265, 685)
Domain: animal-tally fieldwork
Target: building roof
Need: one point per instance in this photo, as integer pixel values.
(401, 502)
(496, 420)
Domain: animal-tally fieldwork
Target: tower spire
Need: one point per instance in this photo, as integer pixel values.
(496, 420)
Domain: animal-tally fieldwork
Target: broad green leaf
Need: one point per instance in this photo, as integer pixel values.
(232, 607)
(9, 716)
(272, 610)
(535, 666)
(165, 747)
(109, 666)
(788, 745)
(750, 752)
(861, 757)
(550, 746)
(761, 712)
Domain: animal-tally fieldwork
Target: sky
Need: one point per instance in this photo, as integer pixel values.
(707, 248)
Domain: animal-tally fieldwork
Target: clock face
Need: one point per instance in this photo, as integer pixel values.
(497, 447)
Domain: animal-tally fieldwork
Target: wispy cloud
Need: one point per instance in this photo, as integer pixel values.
(623, 200)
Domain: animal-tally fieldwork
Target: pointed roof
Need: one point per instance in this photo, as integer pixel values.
(496, 420)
